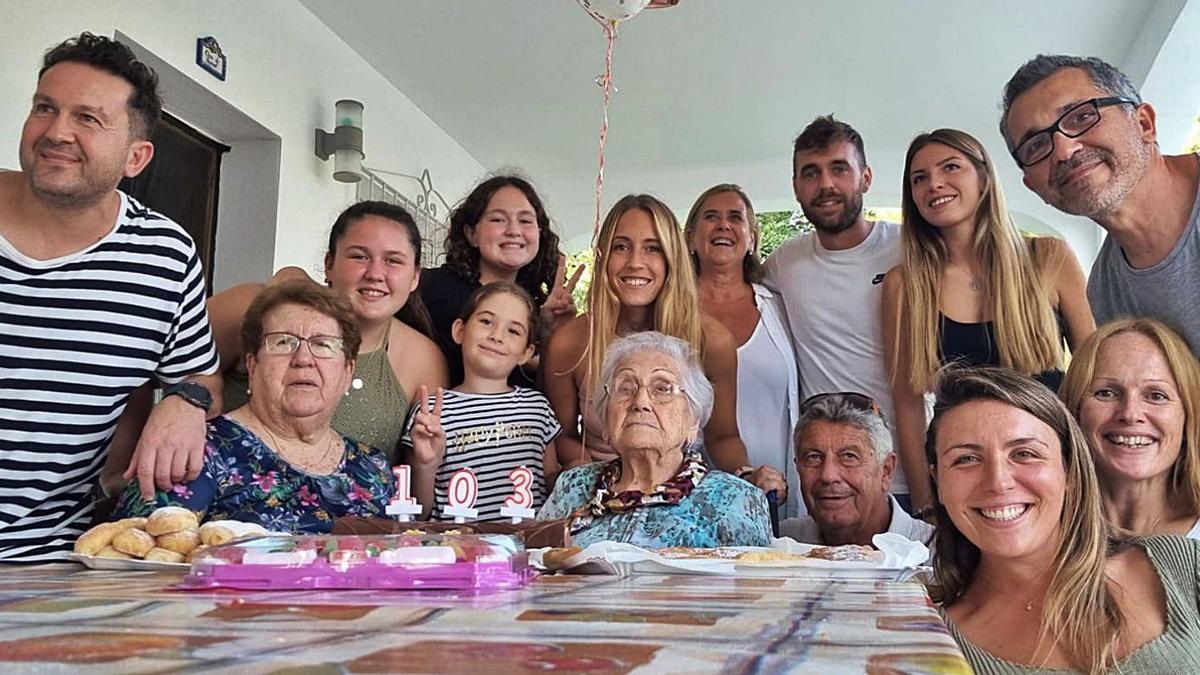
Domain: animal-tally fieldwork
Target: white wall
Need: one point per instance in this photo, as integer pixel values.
(285, 71)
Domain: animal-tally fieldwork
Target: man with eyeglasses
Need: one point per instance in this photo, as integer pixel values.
(1087, 144)
(843, 453)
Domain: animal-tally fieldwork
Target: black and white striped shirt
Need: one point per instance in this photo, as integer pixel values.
(77, 335)
(491, 434)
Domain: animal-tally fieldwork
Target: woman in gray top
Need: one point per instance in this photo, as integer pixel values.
(1030, 579)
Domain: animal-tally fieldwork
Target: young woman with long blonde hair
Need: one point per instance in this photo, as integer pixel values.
(643, 280)
(971, 288)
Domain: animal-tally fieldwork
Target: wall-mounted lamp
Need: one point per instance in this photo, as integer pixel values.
(345, 143)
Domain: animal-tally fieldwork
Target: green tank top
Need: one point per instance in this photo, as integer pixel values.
(373, 413)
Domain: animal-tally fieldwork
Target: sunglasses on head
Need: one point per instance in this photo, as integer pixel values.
(852, 398)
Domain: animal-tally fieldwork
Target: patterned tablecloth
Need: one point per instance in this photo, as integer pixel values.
(56, 618)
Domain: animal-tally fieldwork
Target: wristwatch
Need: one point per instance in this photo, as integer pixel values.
(192, 392)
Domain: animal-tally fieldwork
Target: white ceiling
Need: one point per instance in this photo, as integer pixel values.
(715, 90)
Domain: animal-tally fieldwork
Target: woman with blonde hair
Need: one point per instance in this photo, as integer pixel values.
(722, 237)
(970, 288)
(1134, 386)
(1029, 579)
(643, 281)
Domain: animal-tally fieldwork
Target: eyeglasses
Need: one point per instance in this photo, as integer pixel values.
(852, 398)
(320, 346)
(626, 389)
(1074, 123)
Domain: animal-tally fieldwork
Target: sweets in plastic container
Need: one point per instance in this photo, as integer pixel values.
(396, 561)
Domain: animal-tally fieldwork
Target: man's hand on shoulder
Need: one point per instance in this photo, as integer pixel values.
(171, 448)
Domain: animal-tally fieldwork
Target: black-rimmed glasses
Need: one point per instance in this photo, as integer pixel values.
(320, 346)
(852, 398)
(1074, 123)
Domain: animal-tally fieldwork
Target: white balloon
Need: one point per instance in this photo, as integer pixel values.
(614, 10)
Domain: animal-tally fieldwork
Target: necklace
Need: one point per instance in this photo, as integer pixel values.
(278, 446)
(1027, 604)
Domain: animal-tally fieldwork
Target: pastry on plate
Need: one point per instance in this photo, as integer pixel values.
(110, 552)
(96, 539)
(847, 553)
(163, 555)
(170, 519)
(556, 558)
(769, 556)
(134, 542)
(179, 542)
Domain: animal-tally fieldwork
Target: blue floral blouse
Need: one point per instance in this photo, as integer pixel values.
(245, 480)
(722, 510)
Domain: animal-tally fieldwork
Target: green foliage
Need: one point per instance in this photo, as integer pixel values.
(1193, 142)
(779, 226)
(574, 260)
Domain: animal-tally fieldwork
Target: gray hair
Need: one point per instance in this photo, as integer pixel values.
(837, 410)
(696, 387)
(1104, 75)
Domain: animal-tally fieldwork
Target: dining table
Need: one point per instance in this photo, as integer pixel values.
(63, 617)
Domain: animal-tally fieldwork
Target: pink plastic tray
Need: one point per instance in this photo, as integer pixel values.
(403, 561)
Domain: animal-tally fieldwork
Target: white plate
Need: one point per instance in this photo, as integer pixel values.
(97, 563)
(625, 559)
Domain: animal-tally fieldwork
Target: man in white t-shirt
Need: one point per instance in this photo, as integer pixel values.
(845, 461)
(831, 279)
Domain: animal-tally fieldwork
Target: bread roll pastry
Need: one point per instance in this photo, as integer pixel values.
(126, 523)
(110, 552)
(163, 555)
(179, 542)
(170, 519)
(96, 539)
(216, 533)
(847, 553)
(134, 542)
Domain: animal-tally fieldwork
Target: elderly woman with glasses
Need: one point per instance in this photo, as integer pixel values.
(276, 460)
(652, 401)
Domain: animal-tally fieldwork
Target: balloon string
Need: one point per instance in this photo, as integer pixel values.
(610, 32)
(605, 82)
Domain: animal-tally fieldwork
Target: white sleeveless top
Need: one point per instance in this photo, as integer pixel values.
(766, 390)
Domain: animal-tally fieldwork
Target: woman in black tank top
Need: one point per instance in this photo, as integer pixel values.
(971, 287)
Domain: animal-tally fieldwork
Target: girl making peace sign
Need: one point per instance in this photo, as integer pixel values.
(485, 424)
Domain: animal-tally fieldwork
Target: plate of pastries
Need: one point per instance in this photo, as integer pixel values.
(169, 538)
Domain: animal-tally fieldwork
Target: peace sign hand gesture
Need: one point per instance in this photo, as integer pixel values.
(427, 435)
(560, 306)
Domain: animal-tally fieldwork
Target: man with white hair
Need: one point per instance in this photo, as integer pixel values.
(845, 461)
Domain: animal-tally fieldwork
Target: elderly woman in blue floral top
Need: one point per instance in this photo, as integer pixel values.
(658, 492)
(276, 460)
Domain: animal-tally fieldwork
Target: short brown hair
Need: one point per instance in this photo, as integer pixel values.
(306, 294)
(824, 132)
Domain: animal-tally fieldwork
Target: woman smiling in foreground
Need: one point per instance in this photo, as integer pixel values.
(658, 491)
(1029, 577)
(1135, 387)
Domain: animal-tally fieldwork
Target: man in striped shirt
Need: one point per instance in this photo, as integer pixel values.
(98, 296)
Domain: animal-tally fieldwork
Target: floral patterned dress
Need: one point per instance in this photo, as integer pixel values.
(245, 480)
(697, 508)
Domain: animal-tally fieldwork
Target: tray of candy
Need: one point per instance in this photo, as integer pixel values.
(400, 562)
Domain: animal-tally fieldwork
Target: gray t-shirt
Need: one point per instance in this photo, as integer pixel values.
(1168, 291)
